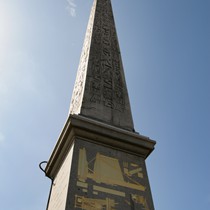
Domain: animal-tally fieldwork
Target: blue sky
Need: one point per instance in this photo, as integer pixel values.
(165, 47)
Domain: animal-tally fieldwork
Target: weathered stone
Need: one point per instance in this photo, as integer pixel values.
(100, 90)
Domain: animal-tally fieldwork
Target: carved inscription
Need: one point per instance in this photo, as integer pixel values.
(100, 77)
(104, 74)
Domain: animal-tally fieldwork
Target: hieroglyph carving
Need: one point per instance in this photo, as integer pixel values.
(100, 78)
(106, 85)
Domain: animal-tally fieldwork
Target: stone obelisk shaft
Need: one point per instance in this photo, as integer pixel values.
(98, 161)
(100, 90)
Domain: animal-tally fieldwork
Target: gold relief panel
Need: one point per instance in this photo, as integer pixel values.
(108, 179)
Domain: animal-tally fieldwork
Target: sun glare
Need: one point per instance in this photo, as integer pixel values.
(5, 27)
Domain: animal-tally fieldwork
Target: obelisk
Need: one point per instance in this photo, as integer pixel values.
(99, 160)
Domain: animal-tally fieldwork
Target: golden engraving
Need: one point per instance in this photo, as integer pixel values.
(107, 190)
(141, 200)
(82, 184)
(84, 190)
(134, 171)
(94, 204)
(140, 175)
(134, 165)
(137, 170)
(125, 171)
(106, 170)
(83, 165)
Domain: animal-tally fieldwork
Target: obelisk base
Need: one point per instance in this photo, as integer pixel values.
(97, 166)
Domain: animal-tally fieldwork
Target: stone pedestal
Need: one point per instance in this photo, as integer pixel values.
(95, 166)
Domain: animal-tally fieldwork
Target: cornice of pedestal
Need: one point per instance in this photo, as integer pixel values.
(81, 127)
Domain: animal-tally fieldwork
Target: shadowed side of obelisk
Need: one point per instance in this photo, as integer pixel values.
(100, 90)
